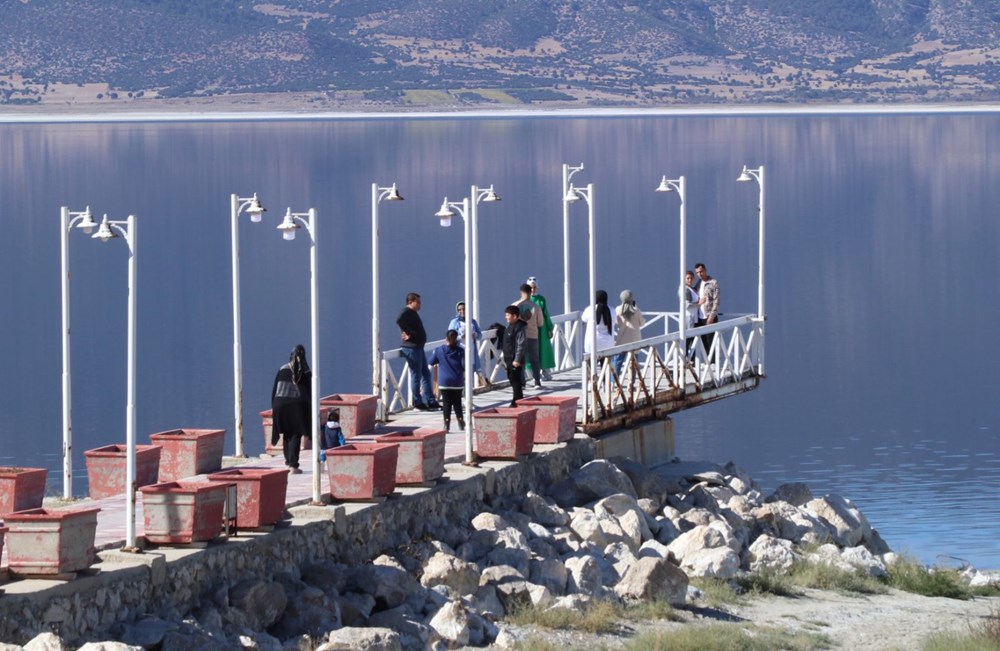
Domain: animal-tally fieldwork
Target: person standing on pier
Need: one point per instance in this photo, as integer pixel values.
(603, 322)
(708, 293)
(515, 339)
(458, 325)
(531, 314)
(411, 329)
(290, 405)
(630, 322)
(546, 354)
(449, 357)
(692, 312)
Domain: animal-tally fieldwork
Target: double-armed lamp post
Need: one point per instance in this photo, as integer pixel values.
(680, 363)
(567, 175)
(747, 175)
(589, 383)
(389, 193)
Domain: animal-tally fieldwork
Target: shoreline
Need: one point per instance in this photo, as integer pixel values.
(229, 113)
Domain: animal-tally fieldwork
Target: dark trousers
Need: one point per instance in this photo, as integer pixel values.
(451, 399)
(516, 377)
(533, 359)
(291, 445)
(706, 340)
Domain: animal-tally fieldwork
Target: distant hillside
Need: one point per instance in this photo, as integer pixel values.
(426, 53)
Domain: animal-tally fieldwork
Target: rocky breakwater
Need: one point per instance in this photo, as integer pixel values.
(613, 530)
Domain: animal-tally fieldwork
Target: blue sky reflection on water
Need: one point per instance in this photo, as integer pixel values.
(883, 249)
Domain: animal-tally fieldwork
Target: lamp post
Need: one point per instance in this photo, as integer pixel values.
(758, 175)
(671, 185)
(85, 221)
(476, 195)
(567, 174)
(587, 194)
(252, 207)
(110, 230)
(444, 215)
(291, 223)
(378, 194)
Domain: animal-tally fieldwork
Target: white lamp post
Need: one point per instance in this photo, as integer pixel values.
(83, 220)
(758, 175)
(587, 194)
(378, 194)
(680, 362)
(291, 223)
(477, 194)
(567, 174)
(444, 215)
(252, 207)
(110, 230)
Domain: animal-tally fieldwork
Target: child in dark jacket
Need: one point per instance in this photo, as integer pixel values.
(450, 359)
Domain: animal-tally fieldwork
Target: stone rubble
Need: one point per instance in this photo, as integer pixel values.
(613, 531)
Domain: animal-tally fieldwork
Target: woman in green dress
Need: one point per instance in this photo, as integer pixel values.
(546, 354)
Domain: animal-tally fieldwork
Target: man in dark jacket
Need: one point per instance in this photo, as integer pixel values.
(411, 329)
(515, 339)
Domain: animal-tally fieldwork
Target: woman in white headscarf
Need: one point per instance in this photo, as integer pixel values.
(630, 321)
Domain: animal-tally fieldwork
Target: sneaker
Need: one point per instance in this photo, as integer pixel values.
(433, 405)
(538, 385)
(296, 471)
(421, 405)
(546, 375)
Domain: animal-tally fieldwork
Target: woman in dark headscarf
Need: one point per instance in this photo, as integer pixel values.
(290, 405)
(605, 332)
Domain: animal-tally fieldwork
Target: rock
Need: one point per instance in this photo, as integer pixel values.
(647, 483)
(601, 478)
(261, 602)
(668, 531)
(654, 549)
(549, 572)
(566, 540)
(477, 546)
(574, 602)
(649, 506)
(710, 477)
(796, 494)
(540, 532)
(829, 554)
(355, 607)
(517, 595)
(390, 585)
(507, 639)
(984, 579)
(516, 558)
(362, 639)
(311, 611)
(45, 642)
(651, 579)
(565, 494)
(487, 521)
(769, 553)
(500, 574)
(716, 534)
(717, 562)
(260, 642)
(700, 497)
(586, 525)
(584, 575)
(108, 646)
(848, 525)
(543, 510)
(147, 632)
(630, 517)
(458, 575)
(788, 522)
(324, 574)
(875, 544)
(413, 632)
(543, 549)
(738, 486)
(696, 517)
(488, 604)
(864, 560)
(189, 639)
(298, 643)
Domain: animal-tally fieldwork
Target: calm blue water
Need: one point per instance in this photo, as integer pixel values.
(882, 279)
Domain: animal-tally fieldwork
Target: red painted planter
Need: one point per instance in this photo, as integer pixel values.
(51, 541)
(183, 511)
(106, 468)
(260, 494)
(189, 452)
(21, 488)
(362, 471)
(267, 419)
(556, 420)
(357, 412)
(3, 533)
(504, 432)
(421, 453)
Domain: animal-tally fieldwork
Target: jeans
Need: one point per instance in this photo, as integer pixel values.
(420, 375)
(532, 357)
(619, 361)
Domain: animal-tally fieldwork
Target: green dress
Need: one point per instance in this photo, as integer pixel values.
(546, 355)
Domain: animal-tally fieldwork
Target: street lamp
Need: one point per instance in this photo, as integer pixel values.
(251, 206)
(378, 194)
(292, 222)
(110, 230)
(85, 221)
(758, 175)
(671, 185)
(567, 174)
(444, 215)
(477, 194)
(587, 194)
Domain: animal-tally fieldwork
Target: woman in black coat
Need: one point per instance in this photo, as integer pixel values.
(290, 404)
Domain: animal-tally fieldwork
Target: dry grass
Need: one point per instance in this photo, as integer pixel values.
(601, 617)
(727, 637)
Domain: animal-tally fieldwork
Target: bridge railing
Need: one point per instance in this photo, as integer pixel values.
(650, 368)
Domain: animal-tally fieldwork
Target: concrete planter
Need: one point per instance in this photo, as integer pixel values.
(504, 432)
(267, 419)
(183, 512)
(362, 471)
(106, 468)
(51, 541)
(556, 420)
(421, 454)
(357, 411)
(21, 488)
(3, 533)
(189, 452)
(260, 494)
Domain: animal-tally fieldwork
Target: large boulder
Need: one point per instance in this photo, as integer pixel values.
(261, 602)
(551, 573)
(847, 523)
(451, 622)
(390, 585)
(782, 520)
(600, 478)
(796, 494)
(147, 632)
(716, 534)
(459, 576)
(543, 510)
(311, 611)
(584, 575)
(106, 646)
(413, 632)
(488, 604)
(653, 579)
(630, 517)
(770, 553)
(45, 642)
(864, 561)
(362, 639)
(717, 562)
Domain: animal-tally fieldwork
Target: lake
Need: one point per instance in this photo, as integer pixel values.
(882, 263)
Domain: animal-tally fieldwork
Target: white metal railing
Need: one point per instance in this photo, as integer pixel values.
(650, 368)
